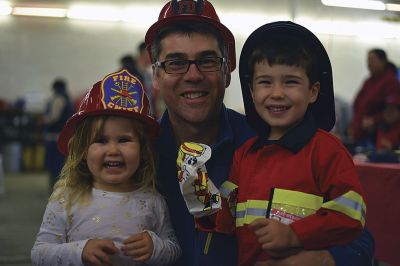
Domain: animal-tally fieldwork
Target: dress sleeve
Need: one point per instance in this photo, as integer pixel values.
(51, 246)
(166, 246)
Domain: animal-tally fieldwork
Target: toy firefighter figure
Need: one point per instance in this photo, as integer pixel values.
(200, 194)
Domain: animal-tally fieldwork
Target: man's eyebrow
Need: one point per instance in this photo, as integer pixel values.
(175, 56)
(202, 54)
(207, 53)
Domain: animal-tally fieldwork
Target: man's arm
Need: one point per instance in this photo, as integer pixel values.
(360, 252)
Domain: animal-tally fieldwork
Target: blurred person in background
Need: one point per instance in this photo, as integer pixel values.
(369, 103)
(59, 108)
(140, 66)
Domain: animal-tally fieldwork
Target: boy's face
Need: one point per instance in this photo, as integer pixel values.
(281, 95)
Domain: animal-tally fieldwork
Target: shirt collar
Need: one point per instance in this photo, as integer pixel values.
(294, 140)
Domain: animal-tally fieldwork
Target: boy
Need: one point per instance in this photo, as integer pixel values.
(294, 186)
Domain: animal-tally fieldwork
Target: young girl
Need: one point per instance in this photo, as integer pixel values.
(105, 210)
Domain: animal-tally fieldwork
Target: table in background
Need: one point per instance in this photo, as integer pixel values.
(381, 184)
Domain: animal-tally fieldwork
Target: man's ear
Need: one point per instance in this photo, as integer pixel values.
(227, 71)
(314, 92)
(227, 79)
(154, 76)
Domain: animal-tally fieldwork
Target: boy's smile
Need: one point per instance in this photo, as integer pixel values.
(281, 95)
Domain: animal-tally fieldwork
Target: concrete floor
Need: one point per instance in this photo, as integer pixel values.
(21, 209)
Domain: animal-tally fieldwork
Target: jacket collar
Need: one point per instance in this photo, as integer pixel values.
(294, 140)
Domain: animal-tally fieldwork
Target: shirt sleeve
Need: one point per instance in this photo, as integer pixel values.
(166, 246)
(51, 247)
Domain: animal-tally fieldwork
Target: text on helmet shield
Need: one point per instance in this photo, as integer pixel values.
(122, 91)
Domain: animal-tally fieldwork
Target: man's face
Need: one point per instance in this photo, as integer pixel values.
(193, 97)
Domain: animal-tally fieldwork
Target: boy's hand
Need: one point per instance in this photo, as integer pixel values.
(274, 235)
(98, 252)
(139, 246)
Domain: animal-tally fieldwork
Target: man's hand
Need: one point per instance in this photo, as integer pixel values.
(98, 252)
(304, 257)
(274, 235)
(139, 247)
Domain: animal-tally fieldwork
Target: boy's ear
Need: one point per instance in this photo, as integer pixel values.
(315, 88)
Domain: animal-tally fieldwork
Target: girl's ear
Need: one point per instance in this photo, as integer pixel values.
(314, 91)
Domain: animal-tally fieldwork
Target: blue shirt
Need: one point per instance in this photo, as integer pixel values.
(222, 250)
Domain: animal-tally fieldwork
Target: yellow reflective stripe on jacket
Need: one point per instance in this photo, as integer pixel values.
(297, 198)
(246, 212)
(351, 204)
(226, 188)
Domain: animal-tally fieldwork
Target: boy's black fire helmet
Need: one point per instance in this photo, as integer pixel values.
(323, 110)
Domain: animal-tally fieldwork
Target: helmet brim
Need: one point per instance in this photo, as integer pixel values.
(152, 127)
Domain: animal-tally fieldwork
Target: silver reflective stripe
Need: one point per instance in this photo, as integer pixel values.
(349, 203)
(256, 212)
(225, 192)
(240, 214)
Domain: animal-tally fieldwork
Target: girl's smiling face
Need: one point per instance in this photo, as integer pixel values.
(114, 156)
(281, 95)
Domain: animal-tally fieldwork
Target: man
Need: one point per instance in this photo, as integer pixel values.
(193, 55)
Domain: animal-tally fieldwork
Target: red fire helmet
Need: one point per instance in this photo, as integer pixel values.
(119, 93)
(192, 10)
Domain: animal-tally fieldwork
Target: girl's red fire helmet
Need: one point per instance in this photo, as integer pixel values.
(119, 93)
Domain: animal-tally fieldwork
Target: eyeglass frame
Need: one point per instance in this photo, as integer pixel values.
(222, 60)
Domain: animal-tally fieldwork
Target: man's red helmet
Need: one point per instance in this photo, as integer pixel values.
(119, 93)
(192, 10)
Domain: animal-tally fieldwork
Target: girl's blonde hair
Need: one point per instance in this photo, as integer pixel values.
(75, 183)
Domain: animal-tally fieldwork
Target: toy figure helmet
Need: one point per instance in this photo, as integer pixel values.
(119, 93)
(186, 11)
(323, 110)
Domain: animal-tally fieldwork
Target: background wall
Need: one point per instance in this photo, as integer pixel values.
(34, 51)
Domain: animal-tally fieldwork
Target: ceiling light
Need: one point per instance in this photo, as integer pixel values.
(39, 11)
(393, 7)
(5, 10)
(363, 4)
(103, 13)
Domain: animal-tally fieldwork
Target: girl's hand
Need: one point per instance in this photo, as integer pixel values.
(274, 235)
(139, 247)
(98, 252)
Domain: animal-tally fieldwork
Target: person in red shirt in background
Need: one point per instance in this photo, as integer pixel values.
(370, 101)
(388, 135)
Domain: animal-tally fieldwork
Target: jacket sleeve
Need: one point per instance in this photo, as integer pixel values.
(166, 246)
(51, 247)
(341, 217)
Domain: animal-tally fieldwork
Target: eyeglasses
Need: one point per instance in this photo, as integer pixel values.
(181, 66)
